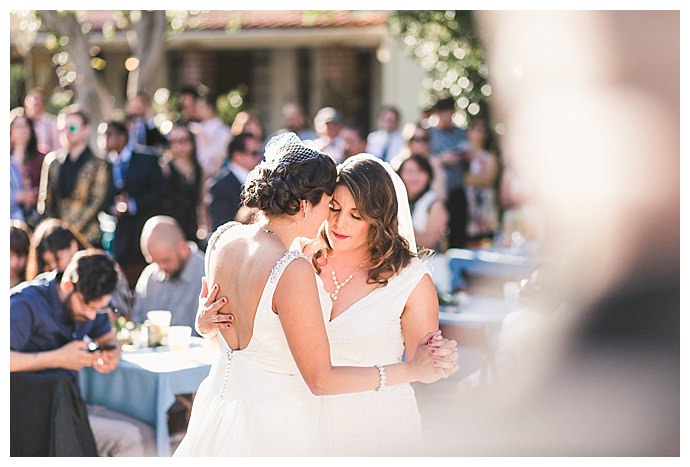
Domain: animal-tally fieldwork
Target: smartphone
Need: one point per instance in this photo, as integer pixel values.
(95, 347)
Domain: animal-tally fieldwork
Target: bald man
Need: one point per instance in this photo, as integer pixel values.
(172, 279)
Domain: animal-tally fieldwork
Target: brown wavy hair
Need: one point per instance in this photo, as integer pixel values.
(375, 199)
(51, 235)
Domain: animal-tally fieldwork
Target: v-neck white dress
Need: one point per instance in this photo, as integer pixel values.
(367, 333)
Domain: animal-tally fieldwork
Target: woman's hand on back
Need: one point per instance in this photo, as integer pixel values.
(208, 318)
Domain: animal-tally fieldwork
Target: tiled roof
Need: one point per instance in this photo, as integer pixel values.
(264, 19)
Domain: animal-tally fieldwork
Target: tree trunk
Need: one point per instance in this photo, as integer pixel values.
(148, 45)
(91, 94)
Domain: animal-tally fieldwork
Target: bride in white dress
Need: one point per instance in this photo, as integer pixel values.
(259, 398)
(386, 305)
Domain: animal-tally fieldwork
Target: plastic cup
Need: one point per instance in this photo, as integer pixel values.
(159, 323)
(179, 338)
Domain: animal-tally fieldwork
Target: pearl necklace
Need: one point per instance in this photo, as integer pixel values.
(340, 285)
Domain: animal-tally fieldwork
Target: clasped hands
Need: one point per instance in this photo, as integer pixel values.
(436, 356)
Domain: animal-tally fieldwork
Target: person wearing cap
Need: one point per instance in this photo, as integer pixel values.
(53, 320)
(328, 123)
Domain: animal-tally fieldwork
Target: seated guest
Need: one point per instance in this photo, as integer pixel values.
(52, 246)
(53, 319)
(172, 280)
(19, 251)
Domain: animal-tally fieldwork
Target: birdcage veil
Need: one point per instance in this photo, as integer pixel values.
(287, 148)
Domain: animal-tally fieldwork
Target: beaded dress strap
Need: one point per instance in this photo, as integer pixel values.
(282, 263)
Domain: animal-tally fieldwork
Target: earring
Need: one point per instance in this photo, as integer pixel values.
(305, 213)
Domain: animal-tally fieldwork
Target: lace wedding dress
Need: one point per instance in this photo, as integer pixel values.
(254, 401)
(369, 332)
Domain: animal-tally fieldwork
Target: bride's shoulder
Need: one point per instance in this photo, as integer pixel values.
(417, 267)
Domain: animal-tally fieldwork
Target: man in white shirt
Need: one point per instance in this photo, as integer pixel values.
(387, 141)
(212, 136)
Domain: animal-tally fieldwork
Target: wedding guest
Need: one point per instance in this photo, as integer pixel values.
(295, 122)
(429, 215)
(51, 322)
(172, 280)
(187, 96)
(387, 140)
(480, 183)
(138, 184)
(224, 193)
(212, 135)
(75, 183)
(19, 251)
(417, 140)
(141, 126)
(44, 123)
(328, 123)
(248, 122)
(354, 138)
(16, 189)
(25, 154)
(182, 196)
(52, 246)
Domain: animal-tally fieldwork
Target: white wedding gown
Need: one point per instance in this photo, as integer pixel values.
(254, 402)
(369, 332)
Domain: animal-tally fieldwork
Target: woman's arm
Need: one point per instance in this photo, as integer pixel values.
(420, 314)
(296, 302)
(436, 225)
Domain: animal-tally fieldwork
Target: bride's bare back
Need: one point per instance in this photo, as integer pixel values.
(240, 262)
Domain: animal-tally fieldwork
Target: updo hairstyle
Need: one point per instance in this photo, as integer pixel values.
(292, 172)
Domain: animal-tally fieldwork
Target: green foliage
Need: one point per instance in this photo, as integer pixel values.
(448, 48)
(230, 104)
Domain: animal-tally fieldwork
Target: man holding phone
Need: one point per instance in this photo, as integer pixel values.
(53, 323)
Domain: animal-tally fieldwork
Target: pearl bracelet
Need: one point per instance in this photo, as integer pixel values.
(382, 377)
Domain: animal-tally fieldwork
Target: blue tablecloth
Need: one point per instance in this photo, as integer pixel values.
(145, 384)
(498, 264)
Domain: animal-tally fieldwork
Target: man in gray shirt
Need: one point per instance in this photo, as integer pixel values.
(172, 280)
